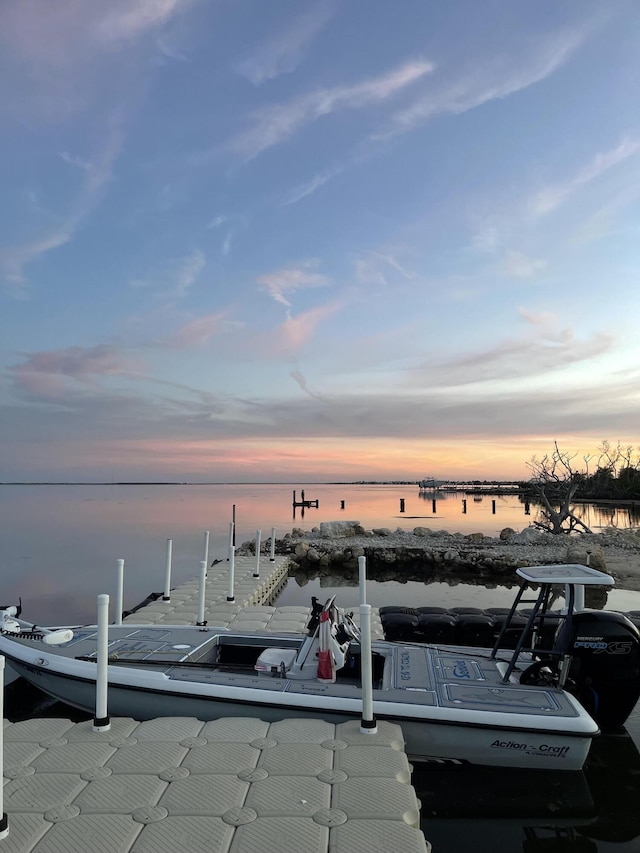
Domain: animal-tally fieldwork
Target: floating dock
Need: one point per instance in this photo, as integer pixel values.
(252, 609)
(234, 785)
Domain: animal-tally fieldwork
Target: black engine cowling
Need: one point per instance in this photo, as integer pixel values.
(605, 664)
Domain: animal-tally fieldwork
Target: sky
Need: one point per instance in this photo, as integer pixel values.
(278, 241)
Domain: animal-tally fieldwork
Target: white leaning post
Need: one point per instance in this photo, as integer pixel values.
(4, 826)
(362, 579)
(201, 591)
(101, 721)
(272, 558)
(167, 573)
(256, 571)
(119, 591)
(232, 567)
(206, 547)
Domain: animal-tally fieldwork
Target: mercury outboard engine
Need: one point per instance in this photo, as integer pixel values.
(604, 674)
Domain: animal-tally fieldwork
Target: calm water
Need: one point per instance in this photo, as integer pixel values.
(59, 547)
(59, 544)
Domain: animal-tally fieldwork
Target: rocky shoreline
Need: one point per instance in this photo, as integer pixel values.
(334, 547)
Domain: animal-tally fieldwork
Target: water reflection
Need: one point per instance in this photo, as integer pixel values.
(465, 808)
(415, 587)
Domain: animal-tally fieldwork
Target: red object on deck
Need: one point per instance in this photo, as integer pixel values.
(326, 667)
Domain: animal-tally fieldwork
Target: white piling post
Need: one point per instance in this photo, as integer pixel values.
(232, 568)
(256, 571)
(101, 721)
(167, 571)
(362, 579)
(201, 592)
(231, 530)
(368, 722)
(272, 558)
(206, 547)
(119, 591)
(4, 825)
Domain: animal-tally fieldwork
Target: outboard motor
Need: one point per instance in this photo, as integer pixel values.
(604, 674)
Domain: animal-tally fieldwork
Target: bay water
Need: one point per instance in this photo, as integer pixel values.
(58, 550)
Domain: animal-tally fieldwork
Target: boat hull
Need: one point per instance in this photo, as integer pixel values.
(426, 740)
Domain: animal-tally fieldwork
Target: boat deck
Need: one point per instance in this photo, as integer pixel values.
(447, 677)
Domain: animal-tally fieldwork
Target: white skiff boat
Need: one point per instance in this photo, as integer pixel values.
(526, 706)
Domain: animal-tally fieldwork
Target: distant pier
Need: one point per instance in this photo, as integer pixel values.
(303, 503)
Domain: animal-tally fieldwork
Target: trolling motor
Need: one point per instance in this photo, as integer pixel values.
(14, 627)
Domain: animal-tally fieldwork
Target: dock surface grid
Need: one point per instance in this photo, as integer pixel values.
(250, 611)
(233, 785)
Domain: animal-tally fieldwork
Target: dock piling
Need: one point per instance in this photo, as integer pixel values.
(167, 575)
(101, 721)
(232, 560)
(256, 571)
(119, 591)
(201, 593)
(4, 824)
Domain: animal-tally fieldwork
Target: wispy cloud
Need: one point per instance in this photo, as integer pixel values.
(548, 347)
(273, 125)
(518, 265)
(195, 333)
(188, 270)
(500, 222)
(58, 53)
(176, 277)
(551, 197)
(49, 374)
(299, 378)
(290, 279)
(284, 52)
(493, 80)
(295, 332)
(306, 189)
(374, 268)
(97, 172)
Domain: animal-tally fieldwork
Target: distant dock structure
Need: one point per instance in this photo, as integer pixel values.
(303, 503)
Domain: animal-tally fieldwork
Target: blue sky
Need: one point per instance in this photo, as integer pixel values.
(272, 241)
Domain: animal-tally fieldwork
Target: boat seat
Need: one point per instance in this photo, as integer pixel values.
(275, 661)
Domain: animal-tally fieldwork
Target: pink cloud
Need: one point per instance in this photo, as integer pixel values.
(47, 374)
(296, 331)
(195, 333)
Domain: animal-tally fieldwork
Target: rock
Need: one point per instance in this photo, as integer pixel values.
(475, 537)
(506, 532)
(422, 531)
(334, 529)
(530, 534)
(451, 556)
(313, 556)
(592, 555)
(381, 531)
(301, 549)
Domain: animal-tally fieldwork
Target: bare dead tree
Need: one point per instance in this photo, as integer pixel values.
(555, 483)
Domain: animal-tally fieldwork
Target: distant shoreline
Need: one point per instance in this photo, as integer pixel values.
(497, 484)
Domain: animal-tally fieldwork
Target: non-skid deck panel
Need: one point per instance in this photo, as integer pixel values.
(234, 785)
(252, 609)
